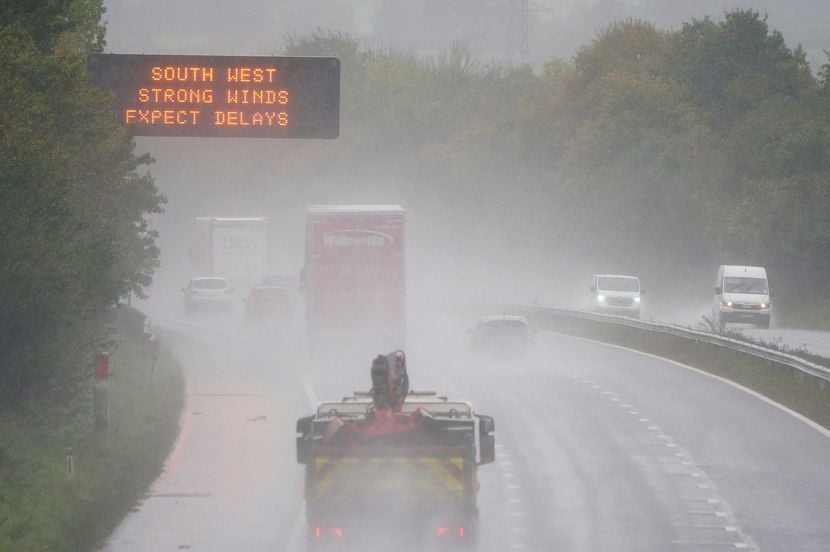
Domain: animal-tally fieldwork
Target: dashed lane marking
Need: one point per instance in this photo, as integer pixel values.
(699, 526)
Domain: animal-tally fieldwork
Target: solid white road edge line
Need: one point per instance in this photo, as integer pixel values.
(818, 427)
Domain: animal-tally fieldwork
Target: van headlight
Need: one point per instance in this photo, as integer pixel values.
(600, 298)
(765, 305)
(728, 303)
(636, 299)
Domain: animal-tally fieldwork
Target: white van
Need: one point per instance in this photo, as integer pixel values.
(616, 294)
(741, 296)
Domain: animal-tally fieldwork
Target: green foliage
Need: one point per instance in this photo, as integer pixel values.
(652, 151)
(708, 143)
(74, 238)
(40, 507)
(732, 66)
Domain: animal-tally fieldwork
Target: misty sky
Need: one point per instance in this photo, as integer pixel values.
(555, 28)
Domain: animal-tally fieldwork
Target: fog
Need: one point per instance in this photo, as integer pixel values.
(489, 243)
(553, 28)
(484, 234)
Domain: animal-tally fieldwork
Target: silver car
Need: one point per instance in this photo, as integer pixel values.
(208, 293)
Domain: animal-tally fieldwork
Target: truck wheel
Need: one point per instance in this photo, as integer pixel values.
(472, 542)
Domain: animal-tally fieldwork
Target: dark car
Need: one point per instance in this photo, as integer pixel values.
(502, 332)
(272, 303)
(280, 280)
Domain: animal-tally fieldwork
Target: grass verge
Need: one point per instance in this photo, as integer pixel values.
(814, 315)
(41, 507)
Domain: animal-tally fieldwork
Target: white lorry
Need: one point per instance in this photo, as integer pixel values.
(235, 248)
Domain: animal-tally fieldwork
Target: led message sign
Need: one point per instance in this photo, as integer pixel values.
(222, 96)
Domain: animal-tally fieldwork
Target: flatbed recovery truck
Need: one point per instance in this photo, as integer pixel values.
(402, 478)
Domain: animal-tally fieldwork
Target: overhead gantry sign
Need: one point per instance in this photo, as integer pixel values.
(222, 96)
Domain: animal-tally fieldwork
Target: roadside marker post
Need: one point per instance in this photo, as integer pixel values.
(100, 399)
(70, 463)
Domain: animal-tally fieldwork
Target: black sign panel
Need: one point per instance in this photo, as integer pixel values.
(222, 96)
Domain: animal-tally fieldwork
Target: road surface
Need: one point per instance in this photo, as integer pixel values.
(598, 449)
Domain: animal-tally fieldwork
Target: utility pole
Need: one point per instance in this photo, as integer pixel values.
(518, 29)
(523, 9)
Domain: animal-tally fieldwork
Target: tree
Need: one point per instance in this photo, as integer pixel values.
(731, 66)
(71, 198)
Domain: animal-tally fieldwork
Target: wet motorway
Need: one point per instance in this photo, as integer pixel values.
(598, 448)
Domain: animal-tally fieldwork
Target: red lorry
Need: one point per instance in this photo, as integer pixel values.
(354, 279)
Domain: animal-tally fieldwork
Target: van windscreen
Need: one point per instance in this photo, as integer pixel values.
(615, 283)
(740, 284)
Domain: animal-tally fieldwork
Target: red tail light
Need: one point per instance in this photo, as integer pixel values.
(336, 532)
(478, 334)
(445, 532)
(531, 334)
(194, 292)
(228, 291)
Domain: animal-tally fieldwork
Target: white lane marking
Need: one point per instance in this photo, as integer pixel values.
(295, 538)
(821, 429)
(724, 514)
(310, 394)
